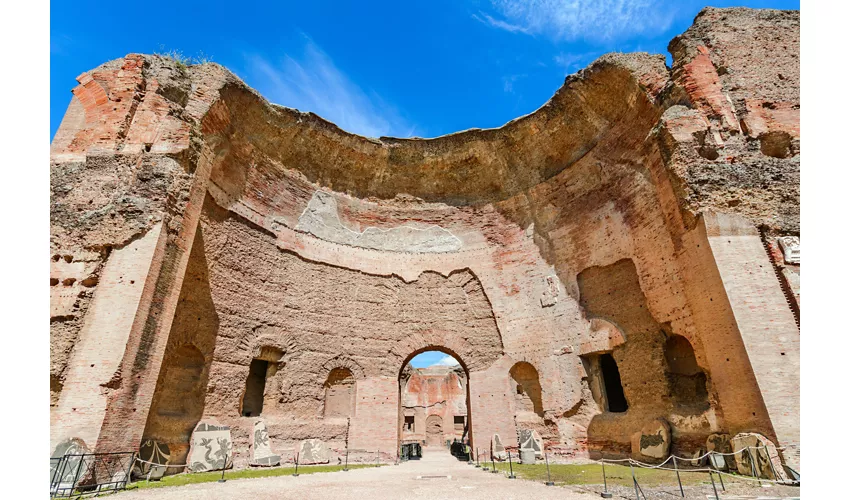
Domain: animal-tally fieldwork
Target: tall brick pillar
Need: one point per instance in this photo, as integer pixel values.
(119, 124)
(491, 405)
(750, 337)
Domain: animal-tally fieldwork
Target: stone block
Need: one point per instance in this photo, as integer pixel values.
(66, 472)
(498, 449)
(313, 451)
(261, 450)
(527, 456)
(211, 448)
(757, 455)
(720, 443)
(530, 439)
(790, 246)
(653, 440)
(155, 456)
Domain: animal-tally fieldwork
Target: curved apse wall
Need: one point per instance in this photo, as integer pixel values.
(337, 251)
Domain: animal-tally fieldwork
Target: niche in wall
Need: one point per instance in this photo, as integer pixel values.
(614, 396)
(255, 388)
(339, 393)
(527, 390)
(688, 382)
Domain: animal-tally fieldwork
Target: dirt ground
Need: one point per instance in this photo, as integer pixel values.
(436, 475)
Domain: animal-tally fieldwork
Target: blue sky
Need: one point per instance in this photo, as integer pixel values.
(431, 358)
(412, 68)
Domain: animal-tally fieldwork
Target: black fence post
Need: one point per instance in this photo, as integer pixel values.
(605, 493)
(713, 486)
(634, 480)
(548, 473)
(713, 464)
(770, 461)
(345, 469)
(493, 460)
(511, 465)
(77, 474)
(296, 465)
(477, 459)
(678, 478)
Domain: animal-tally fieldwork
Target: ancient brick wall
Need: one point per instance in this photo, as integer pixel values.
(631, 220)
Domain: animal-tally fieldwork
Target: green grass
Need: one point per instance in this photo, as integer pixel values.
(208, 477)
(576, 474)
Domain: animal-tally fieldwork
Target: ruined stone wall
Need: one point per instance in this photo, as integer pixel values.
(633, 215)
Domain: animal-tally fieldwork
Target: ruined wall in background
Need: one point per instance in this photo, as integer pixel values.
(434, 397)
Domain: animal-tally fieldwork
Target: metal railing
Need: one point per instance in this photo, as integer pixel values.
(410, 451)
(89, 473)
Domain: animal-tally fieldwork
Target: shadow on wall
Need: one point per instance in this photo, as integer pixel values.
(653, 374)
(527, 391)
(178, 401)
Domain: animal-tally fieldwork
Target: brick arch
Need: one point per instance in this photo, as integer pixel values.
(252, 347)
(341, 361)
(525, 377)
(470, 358)
(602, 336)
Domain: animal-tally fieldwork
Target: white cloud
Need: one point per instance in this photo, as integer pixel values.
(312, 82)
(600, 20)
(446, 361)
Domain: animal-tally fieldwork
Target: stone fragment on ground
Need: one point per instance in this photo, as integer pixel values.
(261, 450)
(211, 447)
(313, 451)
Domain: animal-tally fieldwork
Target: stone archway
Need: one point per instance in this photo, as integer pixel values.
(422, 425)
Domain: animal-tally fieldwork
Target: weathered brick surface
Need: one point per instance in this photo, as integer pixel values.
(630, 200)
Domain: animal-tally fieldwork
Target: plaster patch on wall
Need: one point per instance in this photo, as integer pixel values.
(550, 292)
(321, 219)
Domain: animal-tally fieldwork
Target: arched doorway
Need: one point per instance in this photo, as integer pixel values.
(434, 400)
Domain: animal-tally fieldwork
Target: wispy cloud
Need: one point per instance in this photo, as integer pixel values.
(509, 80)
(446, 361)
(598, 20)
(310, 81)
(59, 44)
(487, 19)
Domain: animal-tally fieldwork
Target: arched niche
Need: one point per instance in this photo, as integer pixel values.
(688, 382)
(528, 395)
(340, 387)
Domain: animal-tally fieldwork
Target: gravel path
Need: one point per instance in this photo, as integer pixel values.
(437, 475)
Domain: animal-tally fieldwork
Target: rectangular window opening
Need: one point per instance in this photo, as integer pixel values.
(409, 423)
(613, 386)
(460, 422)
(255, 388)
